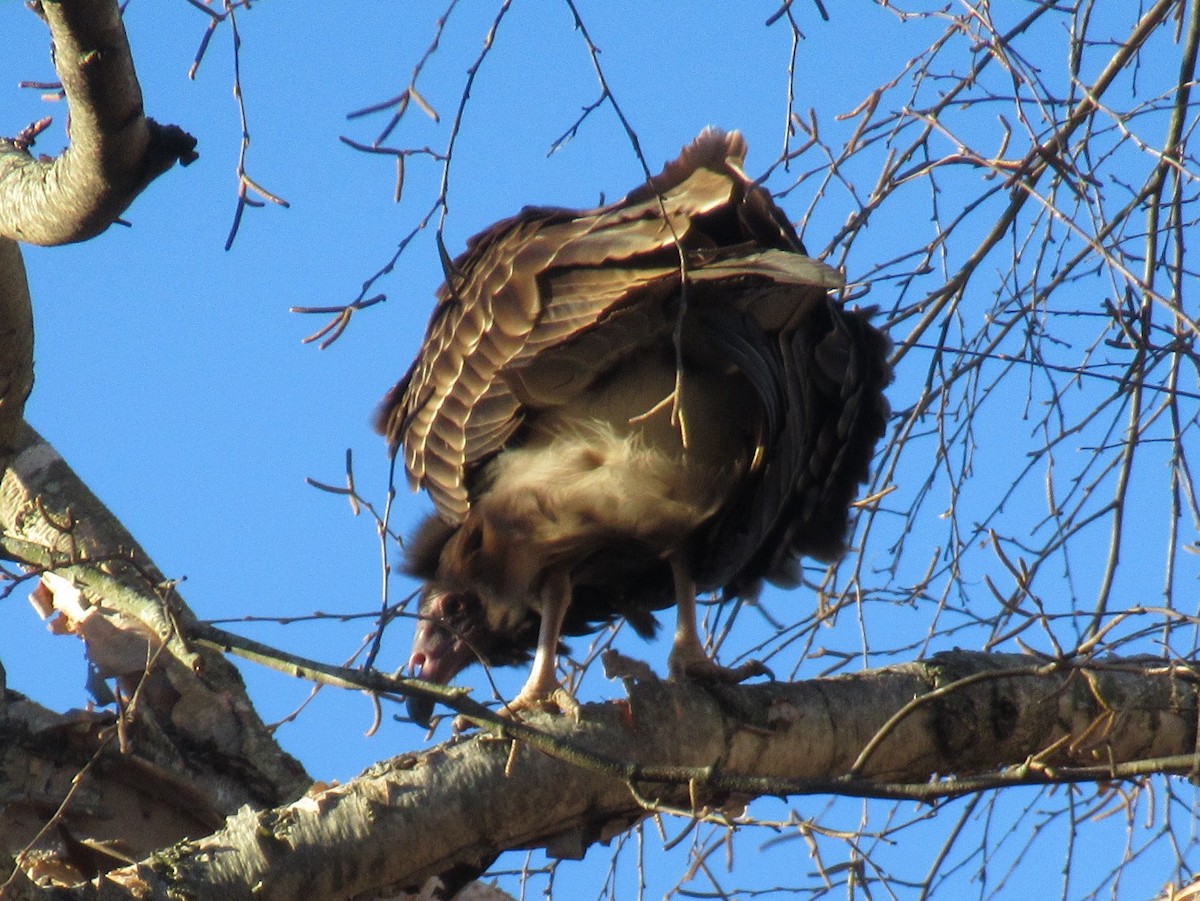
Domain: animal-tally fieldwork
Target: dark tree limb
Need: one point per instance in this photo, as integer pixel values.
(80, 802)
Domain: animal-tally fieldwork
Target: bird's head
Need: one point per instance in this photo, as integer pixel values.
(454, 631)
(449, 630)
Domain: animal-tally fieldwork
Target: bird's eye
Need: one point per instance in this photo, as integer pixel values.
(455, 606)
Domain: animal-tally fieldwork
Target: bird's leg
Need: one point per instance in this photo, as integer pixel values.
(688, 659)
(542, 689)
(688, 651)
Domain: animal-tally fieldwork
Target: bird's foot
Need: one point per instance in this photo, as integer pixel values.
(555, 700)
(703, 668)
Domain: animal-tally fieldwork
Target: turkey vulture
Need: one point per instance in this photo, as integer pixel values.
(614, 409)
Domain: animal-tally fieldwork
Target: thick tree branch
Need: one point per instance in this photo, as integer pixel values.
(960, 722)
(115, 149)
(16, 345)
(79, 801)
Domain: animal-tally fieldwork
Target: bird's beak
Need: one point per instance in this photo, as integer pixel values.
(420, 710)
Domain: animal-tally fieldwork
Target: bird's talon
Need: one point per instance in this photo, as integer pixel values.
(566, 702)
(704, 669)
(559, 700)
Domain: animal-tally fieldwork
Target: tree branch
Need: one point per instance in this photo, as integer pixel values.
(16, 345)
(959, 722)
(108, 591)
(115, 149)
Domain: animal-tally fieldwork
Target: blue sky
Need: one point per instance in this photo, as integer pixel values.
(170, 373)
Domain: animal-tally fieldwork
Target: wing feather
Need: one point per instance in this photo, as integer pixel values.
(527, 286)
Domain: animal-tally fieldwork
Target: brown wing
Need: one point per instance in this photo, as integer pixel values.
(546, 277)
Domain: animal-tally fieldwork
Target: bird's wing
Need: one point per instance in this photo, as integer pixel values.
(546, 277)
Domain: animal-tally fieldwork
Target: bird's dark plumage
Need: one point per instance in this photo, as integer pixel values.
(615, 408)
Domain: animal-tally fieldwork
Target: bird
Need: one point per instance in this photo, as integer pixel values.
(615, 410)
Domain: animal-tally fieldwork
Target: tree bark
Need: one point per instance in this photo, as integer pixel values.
(105, 589)
(16, 346)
